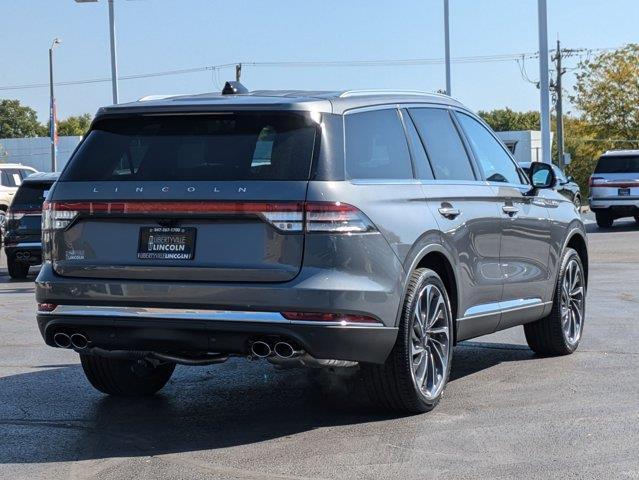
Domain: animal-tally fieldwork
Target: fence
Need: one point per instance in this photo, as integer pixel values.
(36, 152)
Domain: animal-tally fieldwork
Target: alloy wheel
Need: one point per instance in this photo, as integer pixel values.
(572, 302)
(430, 342)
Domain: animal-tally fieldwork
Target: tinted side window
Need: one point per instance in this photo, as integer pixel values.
(443, 145)
(11, 178)
(559, 174)
(496, 163)
(422, 165)
(376, 146)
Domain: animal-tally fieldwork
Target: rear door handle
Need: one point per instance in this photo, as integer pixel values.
(510, 210)
(449, 212)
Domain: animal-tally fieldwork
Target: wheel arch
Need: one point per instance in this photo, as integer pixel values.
(436, 258)
(577, 241)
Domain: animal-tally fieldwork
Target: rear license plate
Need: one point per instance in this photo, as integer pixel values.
(166, 243)
(624, 192)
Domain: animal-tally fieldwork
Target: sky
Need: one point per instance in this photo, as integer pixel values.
(163, 35)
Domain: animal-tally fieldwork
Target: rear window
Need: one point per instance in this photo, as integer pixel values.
(620, 164)
(226, 146)
(30, 196)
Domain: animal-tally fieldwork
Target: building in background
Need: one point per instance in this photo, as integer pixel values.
(525, 145)
(36, 152)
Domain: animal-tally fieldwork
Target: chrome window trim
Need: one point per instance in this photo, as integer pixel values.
(29, 245)
(193, 314)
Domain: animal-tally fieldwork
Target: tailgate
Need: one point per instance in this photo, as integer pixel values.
(185, 197)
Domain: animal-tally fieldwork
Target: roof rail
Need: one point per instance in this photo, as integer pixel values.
(359, 93)
(148, 98)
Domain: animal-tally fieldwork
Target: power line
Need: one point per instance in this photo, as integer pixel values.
(215, 69)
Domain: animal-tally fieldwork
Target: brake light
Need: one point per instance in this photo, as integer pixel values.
(337, 217)
(19, 214)
(594, 181)
(340, 318)
(312, 217)
(56, 216)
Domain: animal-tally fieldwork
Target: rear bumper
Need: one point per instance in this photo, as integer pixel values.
(26, 252)
(621, 205)
(231, 332)
(203, 316)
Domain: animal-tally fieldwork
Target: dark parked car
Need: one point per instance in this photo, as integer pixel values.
(566, 185)
(23, 226)
(320, 228)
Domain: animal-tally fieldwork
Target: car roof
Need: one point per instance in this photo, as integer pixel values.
(16, 165)
(304, 100)
(620, 153)
(42, 177)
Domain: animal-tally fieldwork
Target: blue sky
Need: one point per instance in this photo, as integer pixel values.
(160, 35)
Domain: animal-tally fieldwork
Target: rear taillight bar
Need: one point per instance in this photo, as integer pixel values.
(17, 214)
(337, 318)
(312, 217)
(600, 182)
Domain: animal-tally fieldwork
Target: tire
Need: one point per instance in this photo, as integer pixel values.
(394, 385)
(17, 270)
(552, 335)
(120, 378)
(604, 220)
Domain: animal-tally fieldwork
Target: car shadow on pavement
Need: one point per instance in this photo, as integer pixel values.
(620, 226)
(53, 415)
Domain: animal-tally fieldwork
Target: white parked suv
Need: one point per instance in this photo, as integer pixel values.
(614, 187)
(11, 175)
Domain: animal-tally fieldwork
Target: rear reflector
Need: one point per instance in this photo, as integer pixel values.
(46, 307)
(294, 217)
(338, 318)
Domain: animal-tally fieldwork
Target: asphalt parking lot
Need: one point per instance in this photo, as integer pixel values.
(505, 414)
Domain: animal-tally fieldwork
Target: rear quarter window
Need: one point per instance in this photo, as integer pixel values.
(376, 146)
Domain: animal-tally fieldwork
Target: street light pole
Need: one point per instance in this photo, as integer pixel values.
(52, 113)
(114, 62)
(544, 86)
(447, 46)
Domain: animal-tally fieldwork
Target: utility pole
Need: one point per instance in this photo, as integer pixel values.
(52, 109)
(238, 72)
(447, 47)
(114, 56)
(544, 93)
(559, 107)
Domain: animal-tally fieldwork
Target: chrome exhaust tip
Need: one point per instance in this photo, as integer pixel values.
(62, 340)
(261, 349)
(79, 341)
(286, 350)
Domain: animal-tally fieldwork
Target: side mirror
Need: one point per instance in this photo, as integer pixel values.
(542, 175)
(570, 178)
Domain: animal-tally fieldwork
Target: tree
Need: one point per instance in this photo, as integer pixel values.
(78, 125)
(18, 121)
(607, 96)
(505, 119)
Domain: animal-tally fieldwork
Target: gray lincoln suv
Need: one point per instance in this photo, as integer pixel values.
(369, 229)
